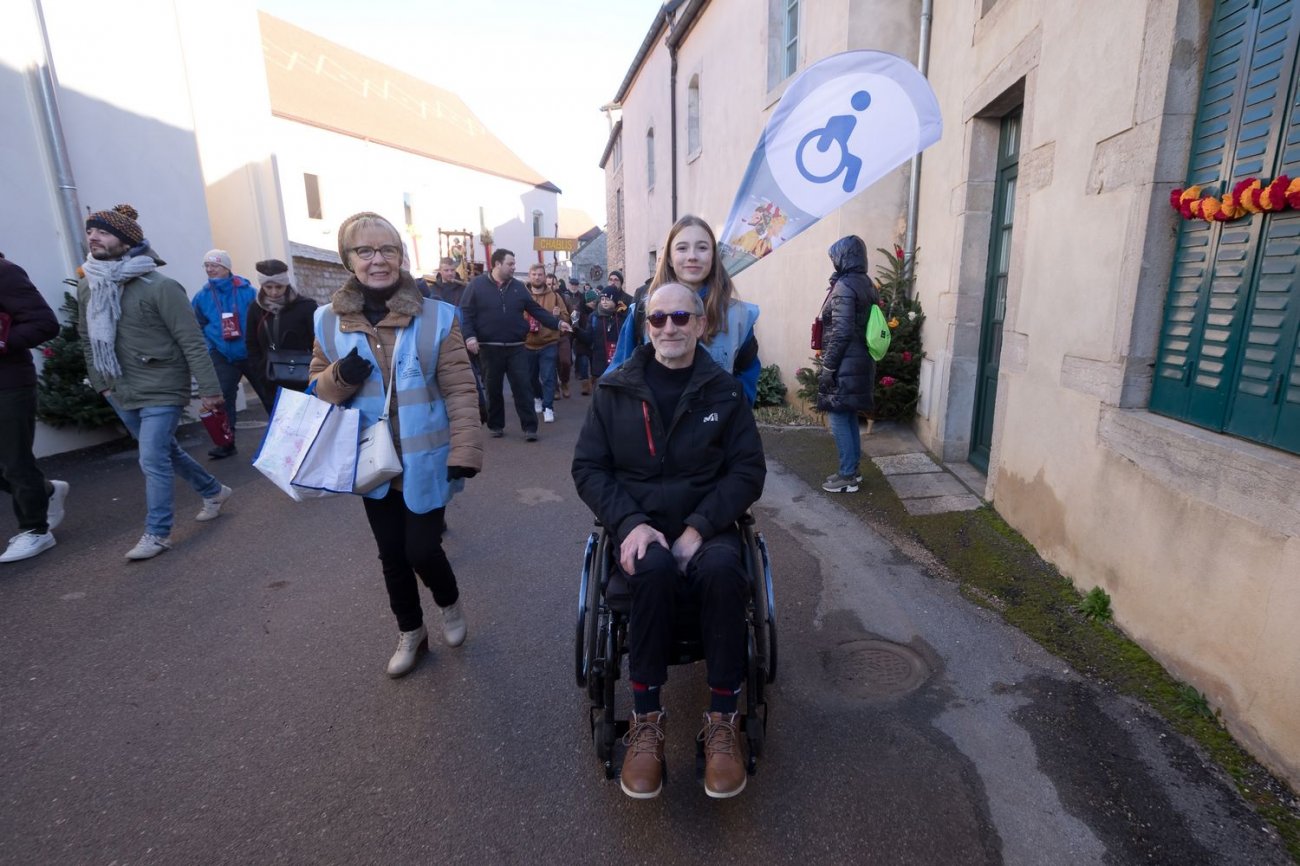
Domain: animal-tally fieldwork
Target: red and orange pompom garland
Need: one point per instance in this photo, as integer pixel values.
(1249, 196)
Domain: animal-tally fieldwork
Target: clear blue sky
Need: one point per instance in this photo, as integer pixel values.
(535, 73)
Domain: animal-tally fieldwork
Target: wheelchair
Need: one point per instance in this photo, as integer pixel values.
(600, 642)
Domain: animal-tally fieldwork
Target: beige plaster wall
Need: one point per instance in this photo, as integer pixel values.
(222, 49)
(1192, 533)
(646, 211)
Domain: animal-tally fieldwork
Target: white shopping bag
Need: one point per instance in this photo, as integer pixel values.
(297, 423)
(331, 463)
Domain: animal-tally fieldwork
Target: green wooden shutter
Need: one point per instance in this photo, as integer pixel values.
(1267, 366)
(1228, 356)
(1188, 304)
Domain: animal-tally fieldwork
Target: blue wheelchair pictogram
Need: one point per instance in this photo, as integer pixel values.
(837, 130)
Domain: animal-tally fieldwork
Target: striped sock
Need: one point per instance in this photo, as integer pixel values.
(645, 699)
(723, 700)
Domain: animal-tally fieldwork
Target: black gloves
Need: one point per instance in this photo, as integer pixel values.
(354, 369)
(454, 472)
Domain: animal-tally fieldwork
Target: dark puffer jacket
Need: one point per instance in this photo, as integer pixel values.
(31, 322)
(703, 467)
(848, 376)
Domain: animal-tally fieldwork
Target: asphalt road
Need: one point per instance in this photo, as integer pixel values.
(227, 703)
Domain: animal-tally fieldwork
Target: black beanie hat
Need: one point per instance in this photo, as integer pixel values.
(271, 267)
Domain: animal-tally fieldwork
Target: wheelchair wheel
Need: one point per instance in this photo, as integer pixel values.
(597, 619)
(586, 613)
(607, 729)
(764, 618)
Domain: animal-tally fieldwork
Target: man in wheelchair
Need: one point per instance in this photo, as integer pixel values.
(669, 459)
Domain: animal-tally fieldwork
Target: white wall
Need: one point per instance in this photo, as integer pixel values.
(357, 175)
(130, 90)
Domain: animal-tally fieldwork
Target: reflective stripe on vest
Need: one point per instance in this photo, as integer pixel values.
(422, 414)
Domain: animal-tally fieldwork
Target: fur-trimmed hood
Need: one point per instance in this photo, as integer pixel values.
(406, 301)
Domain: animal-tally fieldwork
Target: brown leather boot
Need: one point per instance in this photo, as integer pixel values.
(724, 765)
(586, 387)
(643, 765)
(564, 390)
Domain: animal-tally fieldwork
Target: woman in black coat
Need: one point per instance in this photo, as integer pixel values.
(848, 377)
(281, 320)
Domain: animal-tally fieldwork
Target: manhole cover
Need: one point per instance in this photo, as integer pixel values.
(876, 668)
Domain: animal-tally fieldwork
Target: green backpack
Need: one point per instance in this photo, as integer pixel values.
(877, 333)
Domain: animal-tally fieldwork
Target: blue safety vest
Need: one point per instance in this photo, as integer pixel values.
(421, 410)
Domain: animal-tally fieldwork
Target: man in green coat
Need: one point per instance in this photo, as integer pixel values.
(142, 345)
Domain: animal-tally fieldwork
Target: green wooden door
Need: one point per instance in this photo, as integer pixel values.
(995, 291)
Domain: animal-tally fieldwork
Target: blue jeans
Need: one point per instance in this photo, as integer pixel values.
(161, 458)
(582, 364)
(848, 441)
(541, 364)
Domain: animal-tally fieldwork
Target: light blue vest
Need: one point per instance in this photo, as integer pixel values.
(421, 411)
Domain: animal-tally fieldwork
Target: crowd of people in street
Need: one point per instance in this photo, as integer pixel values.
(669, 457)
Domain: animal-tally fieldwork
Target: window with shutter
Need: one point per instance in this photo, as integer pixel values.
(1228, 345)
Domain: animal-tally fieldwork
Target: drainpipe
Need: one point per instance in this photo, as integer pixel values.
(914, 182)
(69, 206)
(672, 120)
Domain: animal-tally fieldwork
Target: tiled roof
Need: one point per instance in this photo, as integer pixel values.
(320, 83)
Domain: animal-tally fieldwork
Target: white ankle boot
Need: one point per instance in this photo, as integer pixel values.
(453, 625)
(409, 646)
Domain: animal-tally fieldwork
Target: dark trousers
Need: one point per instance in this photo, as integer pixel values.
(230, 372)
(564, 362)
(19, 475)
(410, 544)
(500, 362)
(715, 576)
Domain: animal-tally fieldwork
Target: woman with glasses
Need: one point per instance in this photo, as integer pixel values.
(690, 258)
(380, 341)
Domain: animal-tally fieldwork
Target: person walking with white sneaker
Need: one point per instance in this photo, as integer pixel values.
(26, 321)
(543, 343)
(142, 345)
(380, 340)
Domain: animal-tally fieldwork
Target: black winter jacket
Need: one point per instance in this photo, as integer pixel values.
(294, 326)
(491, 313)
(848, 378)
(31, 322)
(704, 467)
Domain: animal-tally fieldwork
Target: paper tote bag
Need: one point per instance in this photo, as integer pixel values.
(296, 422)
(377, 459)
(331, 462)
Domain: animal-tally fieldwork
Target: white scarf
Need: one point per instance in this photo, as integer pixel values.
(104, 308)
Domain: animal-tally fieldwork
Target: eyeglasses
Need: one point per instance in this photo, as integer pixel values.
(392, 252)
(680, 318)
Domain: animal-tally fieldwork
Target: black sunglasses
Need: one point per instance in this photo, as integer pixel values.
(680, 318)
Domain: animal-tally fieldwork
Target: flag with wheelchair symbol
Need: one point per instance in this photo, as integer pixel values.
(843, 124)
